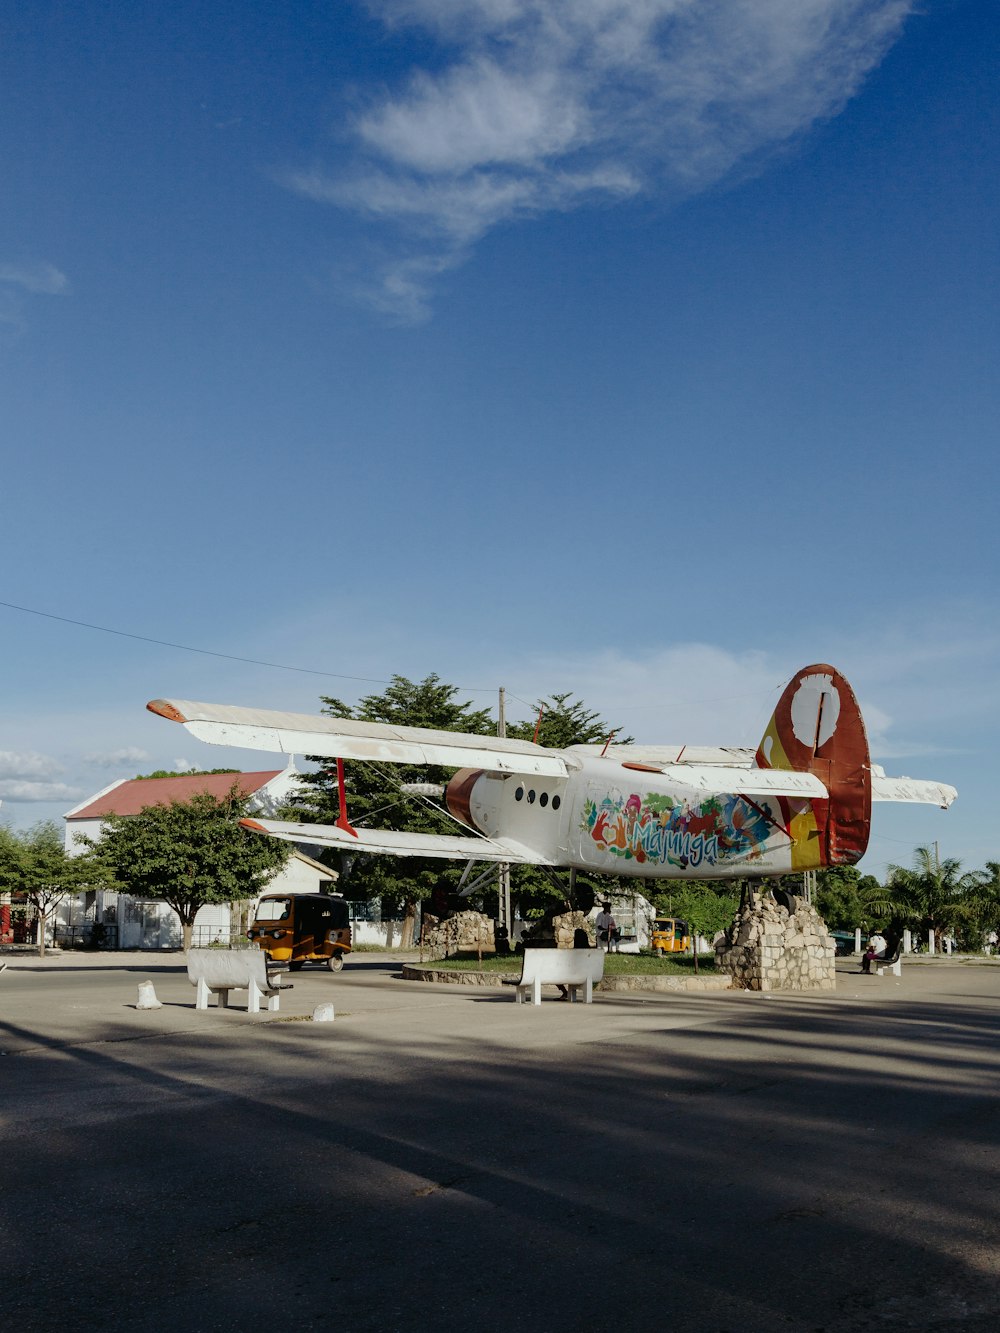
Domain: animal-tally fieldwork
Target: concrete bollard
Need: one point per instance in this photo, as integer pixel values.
(147, 997)
(323, 1013)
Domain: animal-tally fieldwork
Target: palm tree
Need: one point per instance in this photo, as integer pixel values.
(877, 901)
(932, 896)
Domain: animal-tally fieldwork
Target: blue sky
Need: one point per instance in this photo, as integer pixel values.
(646, 350)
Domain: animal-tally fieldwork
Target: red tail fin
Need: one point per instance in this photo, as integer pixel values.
(817, 728)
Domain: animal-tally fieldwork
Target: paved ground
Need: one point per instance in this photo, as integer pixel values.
(440, 1155)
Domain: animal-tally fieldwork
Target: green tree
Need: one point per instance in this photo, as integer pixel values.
(707, 906)
(846, 899)
(977, 910)
(561, 721)
(376, 795)
(36, 865)
(189, 854)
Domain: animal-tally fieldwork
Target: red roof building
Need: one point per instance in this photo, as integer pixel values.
(267, 792)
(130, 795)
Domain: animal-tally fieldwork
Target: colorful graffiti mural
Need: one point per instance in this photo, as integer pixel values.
(663, 830)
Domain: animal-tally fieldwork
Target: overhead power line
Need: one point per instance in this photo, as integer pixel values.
(208, 652)
(313, 671)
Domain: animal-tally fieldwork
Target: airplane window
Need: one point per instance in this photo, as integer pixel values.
(531, 796)
(519, 794)
(544, 798)
(556, 802)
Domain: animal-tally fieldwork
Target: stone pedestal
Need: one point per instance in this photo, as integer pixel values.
(565, 927)
(558, 928)
(463, 932)
(769, 947)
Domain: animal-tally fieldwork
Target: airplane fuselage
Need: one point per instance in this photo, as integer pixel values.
(623, 819)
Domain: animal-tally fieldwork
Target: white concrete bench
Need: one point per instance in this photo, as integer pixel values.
(891, 962)
(218, 971)
(571, 968)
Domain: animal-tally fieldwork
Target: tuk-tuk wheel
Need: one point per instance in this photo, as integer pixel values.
(335, 962)
(658, 952)
(297, 966)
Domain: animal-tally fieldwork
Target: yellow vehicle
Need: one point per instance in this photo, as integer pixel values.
(670, 935)
(297, 928)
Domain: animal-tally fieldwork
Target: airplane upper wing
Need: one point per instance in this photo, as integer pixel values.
(389, 842)
(731, 756)
(343, 738)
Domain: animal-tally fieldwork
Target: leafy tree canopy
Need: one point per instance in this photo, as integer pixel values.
(707, 906)
(187, 773)
(562, 721)
(846, 899)
(35, 863)
(375, 795)
(189, 854)
(980, 909)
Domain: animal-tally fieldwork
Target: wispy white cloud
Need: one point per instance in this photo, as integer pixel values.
(28, 776)
(542, 105)
(27, 764)
(37, 278)
(127, 755)
(475, 115)
(23, 791)
(20, 282)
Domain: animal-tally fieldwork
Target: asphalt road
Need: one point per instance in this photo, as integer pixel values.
(439, 1156)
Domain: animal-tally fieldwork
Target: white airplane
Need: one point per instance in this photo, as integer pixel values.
(801, 801)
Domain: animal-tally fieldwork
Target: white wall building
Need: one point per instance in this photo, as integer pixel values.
(142, 923)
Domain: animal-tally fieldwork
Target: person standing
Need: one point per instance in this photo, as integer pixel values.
(605, 926)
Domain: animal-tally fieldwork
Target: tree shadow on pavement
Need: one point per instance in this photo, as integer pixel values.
(769, 1165)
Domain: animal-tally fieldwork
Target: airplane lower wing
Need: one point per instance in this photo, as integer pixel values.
(344, 738)
(389, 842)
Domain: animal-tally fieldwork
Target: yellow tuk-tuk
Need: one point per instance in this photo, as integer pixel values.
(670, 935)
(297, 928)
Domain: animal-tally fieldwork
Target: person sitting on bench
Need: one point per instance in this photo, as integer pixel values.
(875, 950)
(581, 940)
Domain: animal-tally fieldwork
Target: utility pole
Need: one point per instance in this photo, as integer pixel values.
(503, 869)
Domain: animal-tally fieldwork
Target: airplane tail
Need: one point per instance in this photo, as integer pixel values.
(817, 728)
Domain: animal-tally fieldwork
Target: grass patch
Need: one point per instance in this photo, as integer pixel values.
(615, 964)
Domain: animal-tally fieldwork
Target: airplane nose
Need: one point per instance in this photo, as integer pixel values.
(458, 795)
